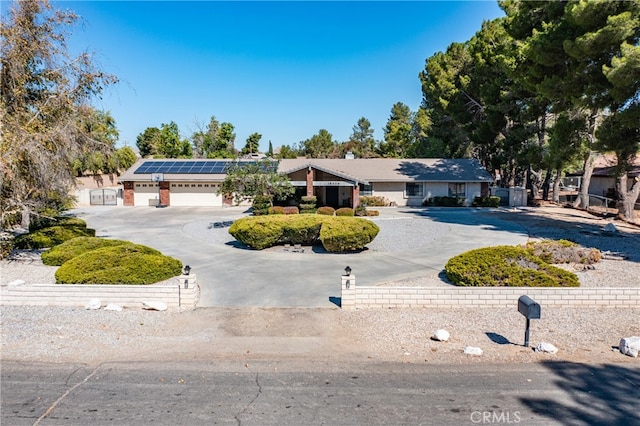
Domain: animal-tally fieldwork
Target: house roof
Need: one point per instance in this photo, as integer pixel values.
(604, 165)
(360, 170)
(395, 169)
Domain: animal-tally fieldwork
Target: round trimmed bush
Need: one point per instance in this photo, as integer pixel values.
(52, 236)
(326, 210)
(61, 253)
(507, 266)
(124, 264)
(345, 211)
(339, 234)
(276, 210)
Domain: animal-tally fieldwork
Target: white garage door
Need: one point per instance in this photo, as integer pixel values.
(145, 194)
(195, 194)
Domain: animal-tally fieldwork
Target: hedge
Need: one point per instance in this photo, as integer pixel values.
(123, 264)
(444, 202)
(326, 210)
(345, 211)
(341, 233)
(492, 201)
(507, 266)
(61, 253)
(48, 219)
(52, 236)
(374, 201)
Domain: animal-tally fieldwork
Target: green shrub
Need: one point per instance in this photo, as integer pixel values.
(444, 202)
(6, 244)
(258, 232)
(343, 233)
(563, 251)
(506, 266)
(486, 201)
(326, 210)
(124, 264)
(308, 204)
(59, 254)
(361, 210)
(345, 211)
(261, 205)
(374, 201)
(291, 210)
(276, 210)
(52, 236)
(339, 234)
(49, 219)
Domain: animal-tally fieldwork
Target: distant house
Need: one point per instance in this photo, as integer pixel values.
(335, 182)
(603, 179)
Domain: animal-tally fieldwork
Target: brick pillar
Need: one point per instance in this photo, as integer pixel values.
(128, 194)
(348, 296)
(310, 174)
(165, 196)
(355, 195)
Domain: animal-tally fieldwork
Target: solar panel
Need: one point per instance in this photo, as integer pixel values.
(196, 166)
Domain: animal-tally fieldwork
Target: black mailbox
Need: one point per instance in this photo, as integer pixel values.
(528, 307)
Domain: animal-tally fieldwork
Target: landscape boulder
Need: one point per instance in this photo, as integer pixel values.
(472, 350)
(154, 306)
(113, 307)
(94, 304)
(440, 335)
(546, 347)
(630, 346)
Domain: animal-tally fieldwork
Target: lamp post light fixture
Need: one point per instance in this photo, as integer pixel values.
(186, 270)
(347, 271)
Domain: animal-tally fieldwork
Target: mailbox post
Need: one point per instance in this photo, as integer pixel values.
(531, 310)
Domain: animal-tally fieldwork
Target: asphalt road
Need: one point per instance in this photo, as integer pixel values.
(284, 393)
(230, 276)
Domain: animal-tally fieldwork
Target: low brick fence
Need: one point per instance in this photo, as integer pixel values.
(185, 293)
(354, 296)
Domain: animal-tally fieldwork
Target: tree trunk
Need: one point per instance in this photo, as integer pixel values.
(546, 184)
(583, 195)
(534, 180)
(26, 217)
(556, 186)
(629, 197)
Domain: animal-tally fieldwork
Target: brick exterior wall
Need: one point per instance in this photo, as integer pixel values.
(165, 194)
(310, 176)
(128, 194)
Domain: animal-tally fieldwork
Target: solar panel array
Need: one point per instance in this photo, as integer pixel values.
(188, 167)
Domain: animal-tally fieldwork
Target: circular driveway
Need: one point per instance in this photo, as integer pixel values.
(412, 242)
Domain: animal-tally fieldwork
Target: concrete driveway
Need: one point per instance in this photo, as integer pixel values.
(237, 277)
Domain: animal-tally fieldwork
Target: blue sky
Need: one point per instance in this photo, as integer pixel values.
(282, 69)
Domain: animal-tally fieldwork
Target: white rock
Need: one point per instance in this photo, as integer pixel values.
(16, 282)
(546, 347)
(472, 350)
(630, 346)
(113, 307)
(94, 304)
(610, 228)
(441, 335)
(154, 306)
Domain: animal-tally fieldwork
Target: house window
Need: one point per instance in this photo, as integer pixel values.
(457, 190)
(414, 189)
(366, 189)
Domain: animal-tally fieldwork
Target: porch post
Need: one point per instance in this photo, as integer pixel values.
(310, 173)
(355, 195)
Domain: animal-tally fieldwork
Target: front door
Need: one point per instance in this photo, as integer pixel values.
(332, 196)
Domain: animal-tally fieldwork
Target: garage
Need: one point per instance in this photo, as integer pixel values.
(195, 194)
(146, 194)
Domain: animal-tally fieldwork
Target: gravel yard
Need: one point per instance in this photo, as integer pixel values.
(56, 334)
